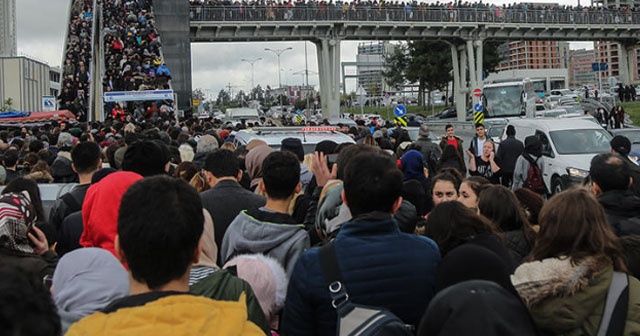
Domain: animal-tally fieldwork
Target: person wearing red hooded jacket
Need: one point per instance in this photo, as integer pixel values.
(100, 210)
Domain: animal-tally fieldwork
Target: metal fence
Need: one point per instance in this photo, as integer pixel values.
(411, 14)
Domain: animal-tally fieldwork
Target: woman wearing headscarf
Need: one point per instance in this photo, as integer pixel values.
(87, 280)
(21, 242)
(416, 187)
(253, 161)
(532, 154)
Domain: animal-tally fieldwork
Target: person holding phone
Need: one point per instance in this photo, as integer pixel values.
(21, 242)
(485, 164)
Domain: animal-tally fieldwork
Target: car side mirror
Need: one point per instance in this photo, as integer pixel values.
(548, 152)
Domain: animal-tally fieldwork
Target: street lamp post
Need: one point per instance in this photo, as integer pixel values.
(278, 52)
(251, 61)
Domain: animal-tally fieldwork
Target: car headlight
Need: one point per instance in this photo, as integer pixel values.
(576, 172)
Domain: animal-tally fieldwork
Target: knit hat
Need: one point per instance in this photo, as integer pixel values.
(146, 158)
(378, 134)
(424, 131)
(293, 145)
(621, 144)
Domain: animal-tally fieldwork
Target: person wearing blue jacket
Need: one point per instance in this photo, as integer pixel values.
(380, 266)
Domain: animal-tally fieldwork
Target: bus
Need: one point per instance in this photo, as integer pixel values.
(509, 99)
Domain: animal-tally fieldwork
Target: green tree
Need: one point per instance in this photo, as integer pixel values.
(395, 66)
(198, 94)
(223, 98)
(7, 105)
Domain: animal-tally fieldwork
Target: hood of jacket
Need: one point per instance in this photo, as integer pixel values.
(259, 236)
(172, 315)
(100, 209)
(561, 295)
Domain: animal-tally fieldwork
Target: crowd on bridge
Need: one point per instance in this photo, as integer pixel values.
(76, 77)
(133, 58)
(373, 10)
(172, 228)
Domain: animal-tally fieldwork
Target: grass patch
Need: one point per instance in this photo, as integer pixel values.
(633, 110)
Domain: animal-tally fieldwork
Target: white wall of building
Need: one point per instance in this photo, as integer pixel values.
(25, 81)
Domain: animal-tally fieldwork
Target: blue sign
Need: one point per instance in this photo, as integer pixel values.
(400, 110)
(599, 67)
(298, 111)
(477, 107)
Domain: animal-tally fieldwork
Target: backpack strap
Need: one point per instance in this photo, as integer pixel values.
(615, 310)
(71, 202)
(333, 278)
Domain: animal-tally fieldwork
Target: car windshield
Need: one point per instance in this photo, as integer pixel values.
(503, 100)
(581, 141)
(634, 136)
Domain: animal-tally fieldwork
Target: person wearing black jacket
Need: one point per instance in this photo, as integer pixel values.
(621, 145)
(508, 152)
(610, 179)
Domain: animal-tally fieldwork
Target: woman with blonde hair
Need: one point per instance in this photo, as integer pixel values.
(573, 268)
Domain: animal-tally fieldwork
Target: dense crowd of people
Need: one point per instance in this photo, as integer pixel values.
(225, 10)
(76, 76)
(133, 57)
(172, 229)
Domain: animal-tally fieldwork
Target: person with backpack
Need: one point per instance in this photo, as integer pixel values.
(430, 151)
(575, 281)
(375, 264)
(86, 160)
(530, 167)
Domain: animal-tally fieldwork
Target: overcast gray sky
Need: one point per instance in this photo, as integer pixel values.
(42, 25)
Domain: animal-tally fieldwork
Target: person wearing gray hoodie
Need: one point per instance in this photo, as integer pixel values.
(270, 230)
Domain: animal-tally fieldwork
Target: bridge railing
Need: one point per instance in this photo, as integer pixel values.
(476, 15)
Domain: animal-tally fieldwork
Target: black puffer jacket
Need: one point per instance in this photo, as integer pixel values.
(517, 244)
(620, 205)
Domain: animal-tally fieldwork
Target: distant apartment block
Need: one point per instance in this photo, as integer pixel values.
(528, 55)
(579, 64)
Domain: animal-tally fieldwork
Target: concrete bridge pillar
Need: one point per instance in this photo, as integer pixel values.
(466, 57)
(460, 90)
(625, 63)
(328, 50)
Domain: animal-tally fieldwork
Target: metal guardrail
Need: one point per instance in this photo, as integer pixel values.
(413, 14)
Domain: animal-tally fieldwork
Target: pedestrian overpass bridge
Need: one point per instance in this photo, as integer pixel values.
(464, 29)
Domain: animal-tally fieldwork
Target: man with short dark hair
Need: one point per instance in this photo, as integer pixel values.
(10, 162)
(478, 140)
(160, 224)
(508, 152)
(451, 139)
(379, 265)
(86, 160)
(270, 230)
(610, 180)
(226, 198)
(621, 145)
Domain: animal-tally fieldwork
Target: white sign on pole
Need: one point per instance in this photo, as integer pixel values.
(49, 103)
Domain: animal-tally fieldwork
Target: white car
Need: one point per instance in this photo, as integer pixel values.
(310, 136)
(568, 145)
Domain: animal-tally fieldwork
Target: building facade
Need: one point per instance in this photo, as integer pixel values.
(25, 81)
(529, 55)
(8, 39)
(580, 71)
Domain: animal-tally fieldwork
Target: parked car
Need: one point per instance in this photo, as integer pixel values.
(568, 145)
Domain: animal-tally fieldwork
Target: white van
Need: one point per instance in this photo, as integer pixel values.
(568, 145)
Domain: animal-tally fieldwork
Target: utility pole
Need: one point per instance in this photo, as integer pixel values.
(251, 61)
(278, 52)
